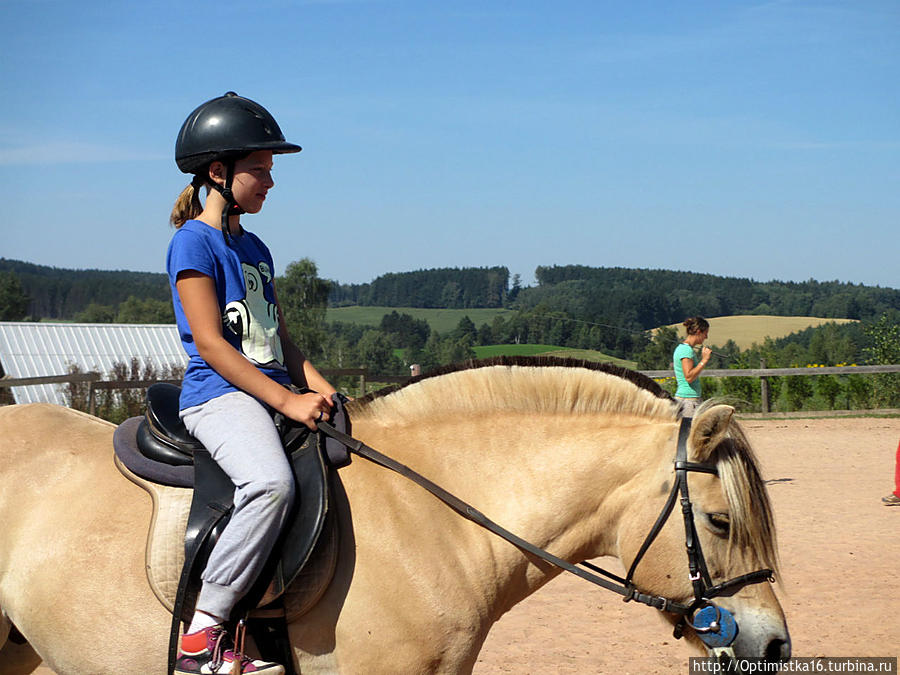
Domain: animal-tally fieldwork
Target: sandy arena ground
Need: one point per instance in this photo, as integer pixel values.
(840, 554)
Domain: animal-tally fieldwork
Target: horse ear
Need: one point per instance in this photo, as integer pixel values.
(709, 429)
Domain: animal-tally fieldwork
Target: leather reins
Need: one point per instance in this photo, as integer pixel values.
(703, 588)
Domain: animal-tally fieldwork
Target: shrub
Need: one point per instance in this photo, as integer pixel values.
(117, 405)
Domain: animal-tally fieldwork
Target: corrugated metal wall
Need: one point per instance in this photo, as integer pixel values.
(41, 349)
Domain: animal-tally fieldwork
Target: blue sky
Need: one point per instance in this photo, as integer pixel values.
(749, 139)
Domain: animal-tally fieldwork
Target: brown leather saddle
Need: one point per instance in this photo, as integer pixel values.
(159, 449)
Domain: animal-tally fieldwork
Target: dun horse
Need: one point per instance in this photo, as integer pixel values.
(576, 460)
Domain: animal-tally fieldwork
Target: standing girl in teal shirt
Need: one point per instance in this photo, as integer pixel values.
(688, 365)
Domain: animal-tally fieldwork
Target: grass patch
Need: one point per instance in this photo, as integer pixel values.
(592, 355)
(487, 351)
(441, 320)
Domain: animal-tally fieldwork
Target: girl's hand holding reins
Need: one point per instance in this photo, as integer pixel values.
(307, 408)
(705, 353)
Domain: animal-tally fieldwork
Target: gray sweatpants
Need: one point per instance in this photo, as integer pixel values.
(689, 405)
(239, 434)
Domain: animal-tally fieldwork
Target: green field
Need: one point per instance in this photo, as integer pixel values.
(487, 351)
(441, 320)
(743, 329)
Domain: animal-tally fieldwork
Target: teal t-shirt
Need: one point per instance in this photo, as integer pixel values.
(685, 389)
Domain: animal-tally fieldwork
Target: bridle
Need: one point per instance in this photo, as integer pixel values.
(704, 590)
(716, 626)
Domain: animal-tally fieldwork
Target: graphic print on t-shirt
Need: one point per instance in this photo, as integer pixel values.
(255, 320)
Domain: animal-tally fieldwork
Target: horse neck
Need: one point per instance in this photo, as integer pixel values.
(592, 473)
(560, 482)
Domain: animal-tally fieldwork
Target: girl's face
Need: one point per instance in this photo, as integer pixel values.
(253, 180)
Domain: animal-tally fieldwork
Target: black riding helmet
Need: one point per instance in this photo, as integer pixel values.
(226, 129)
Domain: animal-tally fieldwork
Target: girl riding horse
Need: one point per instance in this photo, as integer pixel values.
(241, 356)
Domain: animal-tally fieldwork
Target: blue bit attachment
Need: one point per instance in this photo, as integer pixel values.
(715, 626)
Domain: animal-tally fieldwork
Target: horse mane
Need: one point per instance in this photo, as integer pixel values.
(752, 518)
(552, 385)
(529, 384)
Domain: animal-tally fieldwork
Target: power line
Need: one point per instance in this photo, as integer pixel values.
(726, 357)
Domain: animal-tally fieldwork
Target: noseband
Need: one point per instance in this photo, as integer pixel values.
(716, 627)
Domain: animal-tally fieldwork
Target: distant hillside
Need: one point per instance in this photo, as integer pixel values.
(449, 288)
(644, 299)
(628, 299)
(61, 293)
(441, 320)
(58, 293)
(746, 330)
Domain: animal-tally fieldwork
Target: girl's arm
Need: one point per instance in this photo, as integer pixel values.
(303, 373)
(692, 372)
(201, 308)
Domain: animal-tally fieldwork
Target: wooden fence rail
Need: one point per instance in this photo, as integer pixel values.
(764, 373)
(49, 379)
(95, 383)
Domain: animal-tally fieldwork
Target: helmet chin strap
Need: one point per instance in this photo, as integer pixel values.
(231, 208)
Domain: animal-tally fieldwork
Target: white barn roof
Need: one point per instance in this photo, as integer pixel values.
(42, 349)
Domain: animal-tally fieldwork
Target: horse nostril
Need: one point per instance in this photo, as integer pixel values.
(778, 650)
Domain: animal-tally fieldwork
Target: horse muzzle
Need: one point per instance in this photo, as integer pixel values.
(762, 638)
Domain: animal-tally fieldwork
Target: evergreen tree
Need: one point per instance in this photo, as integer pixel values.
(516, 287)
(658, 354)
(404, 331)
(13, 299)
(457, 349)
(465, 329)
(485, 335)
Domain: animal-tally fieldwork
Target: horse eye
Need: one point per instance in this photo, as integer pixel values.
(720, 521)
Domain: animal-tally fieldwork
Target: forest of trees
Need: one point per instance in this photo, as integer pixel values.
(649, 298)
(55, 293)
(606, 309)
(634, 299)
(445, 288)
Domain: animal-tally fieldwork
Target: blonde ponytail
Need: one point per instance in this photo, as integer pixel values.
(188, 205)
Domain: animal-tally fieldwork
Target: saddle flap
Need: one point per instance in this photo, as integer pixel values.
(164, 421)
(312, 504)
(303, 526)
(302, 539)
(157, 450)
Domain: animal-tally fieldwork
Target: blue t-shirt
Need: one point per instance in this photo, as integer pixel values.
(685, 389)
(243, 275)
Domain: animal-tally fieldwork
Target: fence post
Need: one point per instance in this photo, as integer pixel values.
(362, 382)
(763, 388)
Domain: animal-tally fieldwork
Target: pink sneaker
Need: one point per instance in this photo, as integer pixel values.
(211, 651)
